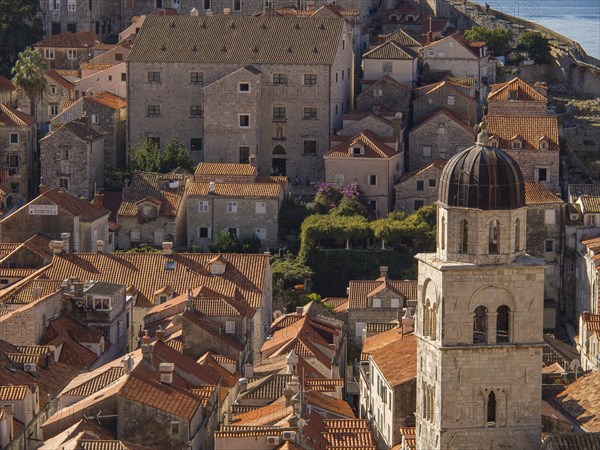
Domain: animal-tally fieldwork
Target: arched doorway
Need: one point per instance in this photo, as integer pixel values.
(278, 165)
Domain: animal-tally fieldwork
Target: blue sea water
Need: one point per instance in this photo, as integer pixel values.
(576, 19)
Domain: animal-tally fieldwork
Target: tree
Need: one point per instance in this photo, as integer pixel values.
(496, 39)
(15, 31)
(225, 242)
(29, 76)
(147, 157)
(176, 156)
(349, 200)
(535, 45)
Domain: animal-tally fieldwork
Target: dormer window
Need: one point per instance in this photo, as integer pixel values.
(513, 94)
(544, 145)
(494, 141)
(357, 150)
(217, 265)
(516, 143)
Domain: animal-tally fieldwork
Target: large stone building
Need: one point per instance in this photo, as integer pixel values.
(240, 93)
(457, 98)
(479, 316)
(67, 50)
(102, 18)
(419, 187)
(516, 97)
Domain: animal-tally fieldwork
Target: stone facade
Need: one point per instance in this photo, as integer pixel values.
(459, 100)
(438, 137)
(58, 90)
(419, 188)
(72, 158)
(385, 93)
(382, 126)
(103, 18)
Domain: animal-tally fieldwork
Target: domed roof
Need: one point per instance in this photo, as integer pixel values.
(482, 177)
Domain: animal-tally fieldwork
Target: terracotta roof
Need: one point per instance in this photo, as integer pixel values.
(323, 384)
(530, 128)
(83, 39)
(581, 401)
(272, 190)
(270, 387)
(6, 85)
(397, 360)
(212, 362)
(216, 329)
(108, 99)
(205, 168)
(8, 393)
(96, 383)
(34, 349)
(147, 272)
(108, 444)
(374, 147)
(10, 117)
(359, 290)
(7, 247)
(402, 37)
(68, 73)
(460, 39)
(438, 164)
(204, 373)
(536, 194)
(391, 50)
(434, 87)
(589, 204)
(54, 75)
(67, 104)
(78, 128)
(571, 441)
(154, 186)
(267, 415)
(329, 404)
(66, 332)
(577, 190)
(443, 112)
(30, 291)
(16, 272)
(526, 92)
(87, 212)
(233, 39)
(97, 67)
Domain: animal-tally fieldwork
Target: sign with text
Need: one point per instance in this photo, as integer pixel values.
(43, 210)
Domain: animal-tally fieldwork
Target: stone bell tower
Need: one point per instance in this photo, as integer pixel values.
(480, 308)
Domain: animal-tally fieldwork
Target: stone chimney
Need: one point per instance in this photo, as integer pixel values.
(100, 246)
(65, 241)
(166, 372)
(194, 12)
(127, 363)
(299, 310)
(160, 334)
(288, 393)
(43, 188)
(408, 321)
(146, 348)
(383, 271)
(56, 247)
(99, 199)
(167, 248)
(292, 363)
(252, 159)
(397, 127)
(243, 384)
(77, 288)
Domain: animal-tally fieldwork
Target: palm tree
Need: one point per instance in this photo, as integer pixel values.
(29, 75)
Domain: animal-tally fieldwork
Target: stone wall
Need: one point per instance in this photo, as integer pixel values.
(100, 17)
(531, 160)
(462, 106)
(407, 192)
(384, 94)
(22, 178)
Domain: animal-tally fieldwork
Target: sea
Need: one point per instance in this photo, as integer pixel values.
(578, 20)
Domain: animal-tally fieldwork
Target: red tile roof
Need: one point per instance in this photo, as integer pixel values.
(397, 359)
(147, 185)
(6, 85)
(374, 147)
(360, 289)
(581, 401)
(530, 128)
(259, 190)
(536, 194)
(205, 168)
(108, 99)
(438, 164)
(54, 75)
(83, 39)
(10, 117)
(68, 333)
(526, 92)
(75, 206)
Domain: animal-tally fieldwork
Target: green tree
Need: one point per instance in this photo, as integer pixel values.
(250, 244)
(176, 156)
(147, 157)
(29, 75)
(496, 39)
(535, 45)
(225, 242)
(16, 33)
(289, 271)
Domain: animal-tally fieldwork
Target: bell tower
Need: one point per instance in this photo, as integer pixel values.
(480, 308)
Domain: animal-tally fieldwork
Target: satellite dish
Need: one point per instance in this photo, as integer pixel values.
(277, 314)
(575, 365)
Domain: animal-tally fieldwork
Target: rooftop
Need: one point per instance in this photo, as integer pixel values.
(536, 194)
(373, 146)
(10, 117)
(531, 129)
(83, 39)
(167, 189)
(525, 91)
(261, 190)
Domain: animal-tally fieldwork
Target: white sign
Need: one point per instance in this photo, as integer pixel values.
(43, 210)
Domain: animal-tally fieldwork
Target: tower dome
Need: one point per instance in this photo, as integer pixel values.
(482, 177)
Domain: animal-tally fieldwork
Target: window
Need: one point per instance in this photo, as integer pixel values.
(118, 56)
(279, 78)
(232, 231)
(372, 180)
(102, 304)
(451, 100)
(71, 53)
(542, 174)
(153, 77)
(279, 113)
(441, 54)
(549, 217)
(419, 204)
(195, 111)
(244, 87)
(261, 233)
(515, 144)
(196, 144)
(387, 66)
(395, 303)
(53, 110)
(54, 5)
(13, 161)
(376, 303)
(431, 53)
(53, 89)
(123, 77)
(268, 4)
(206, 5)
(203, 206)
(310, 79)
(502, 318)
(261, 207)
(549, 245)
(571, 266)
(203, 232)
(543, 144)
(491, 410)
(357, 151)
(432, 182)
(442, 129)
(310, 113)
(158, 3)
(176, 4)
(174, 427)
(14, 138)
(517, 235)
(494, 237)
(153, 110)
(464, 247)
(244, 155)
(229, 327)
(135, 235)
(513, 94)
(94, 119)
(480, 325)
(231, 207)
(426, 152)
(72, 27)
(196, 77)
(244, 120)
(420, 185)
(65, 153)
(63, 183)
(237, 5)
(310, 147)
(14, 187)
(49, 53)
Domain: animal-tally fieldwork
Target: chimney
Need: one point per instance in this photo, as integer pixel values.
(211, 188)
(288, 394)
(294, 384)
(167, 248)
(166, 372)
(397, 127)
(429, 39)
(226, 11)
(243, 383)
(292, 363)
(127, 363)
(408, 321)
(146, 348)
(99, 199)
(383, 271)
(249, 370)
(252, 159)
(194, 12)
(99, 246)
(56, 247)
(160, 334)
(77, 288)
(65, 241)
(299, 310)
(43, 188)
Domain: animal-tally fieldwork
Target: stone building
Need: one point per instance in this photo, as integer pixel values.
(67, 50)
(516, 97)
(391, 59)
(72, 158)
(98, 78)
(274, 102)
(588, 277)
(478, 294)
(419, 187)
(588, 342)
(401, 37)
(61, 216)
(153, 210)
(532, 141)
(106, 113)
(440, 136)
(8, 92)
(384, 93)
(100, 18)
(18, 152)
(374, 162)
(457, 98)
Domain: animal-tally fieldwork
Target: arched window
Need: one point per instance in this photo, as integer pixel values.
(464, 244)
(517, 235)
(502, 324)
(433, 328)
(443, 234)
(494, 237)
(480, 325)
(426, 319)
(491, 409)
